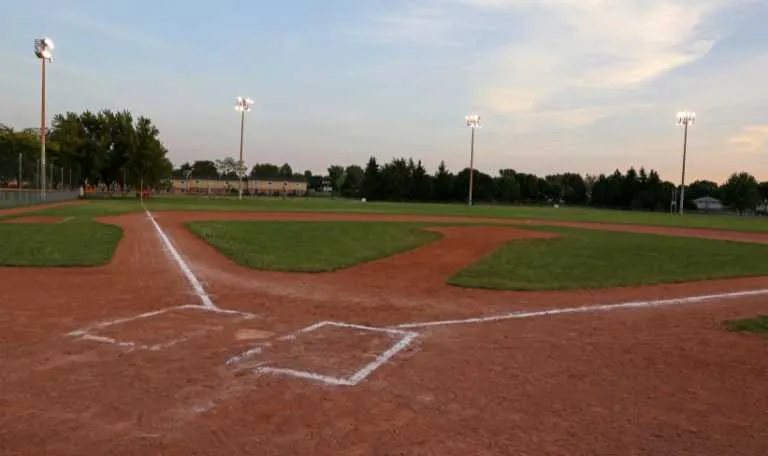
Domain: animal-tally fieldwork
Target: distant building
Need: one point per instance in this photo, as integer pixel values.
(707, 203)
(265, 187)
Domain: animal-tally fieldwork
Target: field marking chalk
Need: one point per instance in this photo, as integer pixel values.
(196, 285)
(86, 332)
(383, 358)
(586, 309)
(328, 380)
(406, 338)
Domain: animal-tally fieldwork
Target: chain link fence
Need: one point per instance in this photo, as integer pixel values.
(25, 197)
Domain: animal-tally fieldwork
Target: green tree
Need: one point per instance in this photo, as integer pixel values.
(353, 181)
(702, 188)
(336, 175)
(443, 183)
(372, 180)
(21, 145)
(741, 191)
(148, 165)
(508, 188)
(422, 183)
(205, 169)
(764, 190)
(285, 170)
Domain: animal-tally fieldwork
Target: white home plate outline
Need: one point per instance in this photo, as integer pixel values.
(406, 337)
(87, 332)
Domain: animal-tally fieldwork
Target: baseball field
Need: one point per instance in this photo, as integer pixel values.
(183, 326)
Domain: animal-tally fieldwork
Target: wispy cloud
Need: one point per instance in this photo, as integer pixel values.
(545, 51)
(751, 139)
(415, 23)
(111, 29)
(598, 45)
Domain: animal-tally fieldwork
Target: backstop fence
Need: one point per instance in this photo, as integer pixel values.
(10, 197)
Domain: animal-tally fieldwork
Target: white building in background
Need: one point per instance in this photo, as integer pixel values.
(707, 203)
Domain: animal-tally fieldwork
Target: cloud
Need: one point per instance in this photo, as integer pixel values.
(604, 46)
(414, 24)
(545, 53)
(109, 29)
(751, 139)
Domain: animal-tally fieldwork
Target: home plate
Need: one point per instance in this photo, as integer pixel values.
(328, 352)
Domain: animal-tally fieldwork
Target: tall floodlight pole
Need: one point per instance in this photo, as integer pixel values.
(43, 51)
(243, 105)
(684, 119)
(473, 122)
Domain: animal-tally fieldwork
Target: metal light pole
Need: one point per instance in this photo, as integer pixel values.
(473, 122)
(684, 119)
(43, 51)
(243, 105)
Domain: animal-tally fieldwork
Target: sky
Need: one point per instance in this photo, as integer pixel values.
(582, 86)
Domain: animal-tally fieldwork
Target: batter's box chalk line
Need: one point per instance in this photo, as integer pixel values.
(404, 338)
(89, 333)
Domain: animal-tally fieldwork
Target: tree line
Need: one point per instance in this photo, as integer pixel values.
(114, 147)
(103, 147)
(403, 179)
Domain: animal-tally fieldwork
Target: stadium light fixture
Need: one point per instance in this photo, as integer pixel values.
(242, 105)
(473, 122)
(684, 119)
(44, 51)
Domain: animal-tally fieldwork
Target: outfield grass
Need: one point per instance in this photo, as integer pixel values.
(757, 325)
(580, 259)
(92, 209)
(186, 203)
(310, 246)
(79, 242)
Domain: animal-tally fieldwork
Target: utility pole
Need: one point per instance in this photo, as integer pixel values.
(684, 119)
(473, 121)
(43, 51)
(243, 105)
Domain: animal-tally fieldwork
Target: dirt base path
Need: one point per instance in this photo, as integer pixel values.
(639, 382)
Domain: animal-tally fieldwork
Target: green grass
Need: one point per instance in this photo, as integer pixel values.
(78, 242)
(757, 325)
(581, 259)
(186, 203)
(310, 246)
(91, 209)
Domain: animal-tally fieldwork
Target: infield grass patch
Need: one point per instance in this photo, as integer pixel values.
(309, 246)
(757, 325)
(580, 259)
(78, 242)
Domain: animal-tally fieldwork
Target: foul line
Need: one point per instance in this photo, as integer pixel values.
(587, 309)
(196, 285)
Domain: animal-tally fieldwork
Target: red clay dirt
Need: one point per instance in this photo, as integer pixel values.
(43, 219)
(631, 382)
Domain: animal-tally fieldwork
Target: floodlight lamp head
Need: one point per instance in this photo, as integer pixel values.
(473, 120)
(686, 118)
(44, 48)
(243, 104)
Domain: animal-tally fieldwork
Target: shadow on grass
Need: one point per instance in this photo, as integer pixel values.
(757, 325)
